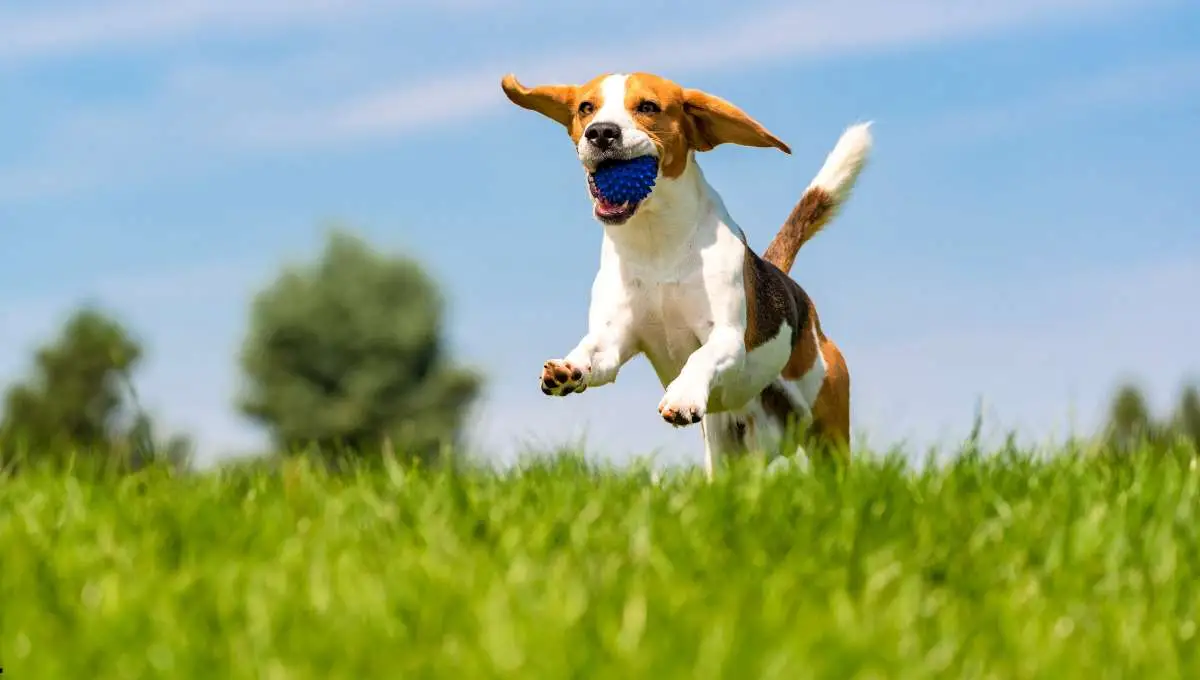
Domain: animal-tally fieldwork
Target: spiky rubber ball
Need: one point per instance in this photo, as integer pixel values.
(626, 181)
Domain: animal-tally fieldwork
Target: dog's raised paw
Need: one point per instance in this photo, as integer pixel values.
(680, 410)
(560, 378)
(680, 417)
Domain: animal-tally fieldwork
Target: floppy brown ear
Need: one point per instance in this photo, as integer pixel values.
(715, 121)
(556, 102)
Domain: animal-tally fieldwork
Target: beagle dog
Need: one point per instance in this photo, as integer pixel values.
(736, 343)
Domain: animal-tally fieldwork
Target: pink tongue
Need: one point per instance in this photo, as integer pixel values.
(608, 206)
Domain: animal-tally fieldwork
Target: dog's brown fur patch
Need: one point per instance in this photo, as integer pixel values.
(771, 301)
(831, 412)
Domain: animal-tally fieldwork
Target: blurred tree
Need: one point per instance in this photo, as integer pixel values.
(77, 402)
(1187, 415)
(1129, 420)
(143, 447)
(346, 354)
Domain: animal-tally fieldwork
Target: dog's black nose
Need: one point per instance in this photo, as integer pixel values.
(603, 135)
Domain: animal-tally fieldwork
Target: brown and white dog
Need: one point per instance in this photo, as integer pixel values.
(736, 343)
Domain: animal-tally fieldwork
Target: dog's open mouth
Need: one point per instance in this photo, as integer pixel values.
(608, 211)
(618, 187)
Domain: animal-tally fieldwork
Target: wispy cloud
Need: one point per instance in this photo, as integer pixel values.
(803, 30)
(235, 109)
(77, 28)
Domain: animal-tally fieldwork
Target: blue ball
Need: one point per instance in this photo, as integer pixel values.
(626, 181)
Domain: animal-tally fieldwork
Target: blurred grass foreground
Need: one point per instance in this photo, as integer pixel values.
(1002, 566)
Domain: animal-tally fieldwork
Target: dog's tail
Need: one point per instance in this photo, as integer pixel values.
(823, 197)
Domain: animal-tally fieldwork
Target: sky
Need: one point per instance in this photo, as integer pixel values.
(1027, 233)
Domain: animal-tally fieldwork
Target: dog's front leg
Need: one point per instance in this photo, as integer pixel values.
(686, 398)
(599, 356)
(595, 361)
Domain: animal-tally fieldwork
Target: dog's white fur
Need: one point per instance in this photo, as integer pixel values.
(670, 286)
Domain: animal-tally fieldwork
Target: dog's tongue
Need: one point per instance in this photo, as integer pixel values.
(607, 207)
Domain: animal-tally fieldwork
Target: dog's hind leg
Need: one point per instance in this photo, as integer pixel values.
(829, 435)
(724, 437)
(734, 434)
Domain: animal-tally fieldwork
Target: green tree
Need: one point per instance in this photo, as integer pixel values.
(346, 354)
(78, 400)
(144, 447)
(1187, 415)
(1130, 422)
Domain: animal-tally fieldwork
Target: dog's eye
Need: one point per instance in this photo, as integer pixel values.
(586, 108)
(648, 107)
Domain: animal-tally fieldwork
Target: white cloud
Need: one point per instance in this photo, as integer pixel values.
(331, 96)
(383, 114)
(67, 30)
(806, 30)
(821, 29)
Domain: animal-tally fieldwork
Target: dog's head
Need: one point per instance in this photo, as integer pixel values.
(620, 117)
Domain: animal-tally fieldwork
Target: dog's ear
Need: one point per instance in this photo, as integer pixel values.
(556, 102)
(710, 121)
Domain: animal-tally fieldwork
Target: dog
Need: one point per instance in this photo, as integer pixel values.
(736, 343)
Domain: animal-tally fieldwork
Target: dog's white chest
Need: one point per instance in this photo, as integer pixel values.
(673, 302)
(670, 318)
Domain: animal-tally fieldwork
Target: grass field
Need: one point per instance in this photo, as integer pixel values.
(1001, 566)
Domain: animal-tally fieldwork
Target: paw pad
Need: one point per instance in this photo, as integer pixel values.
(560, 378)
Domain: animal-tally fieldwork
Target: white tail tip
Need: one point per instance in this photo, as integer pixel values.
(847, 159)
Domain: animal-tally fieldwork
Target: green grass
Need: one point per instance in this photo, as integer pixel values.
(1001, 567)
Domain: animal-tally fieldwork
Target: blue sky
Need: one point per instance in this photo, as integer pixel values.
(1028, 230)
